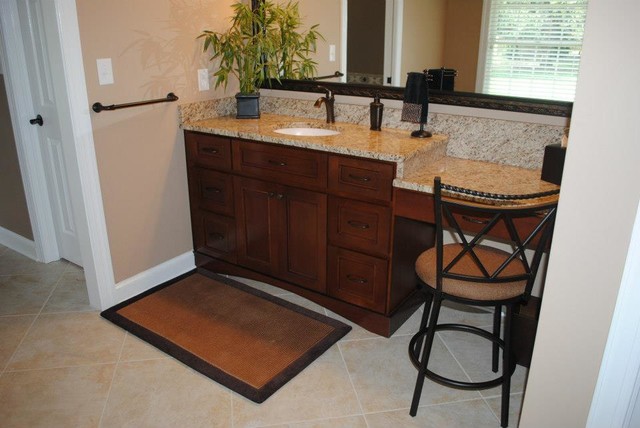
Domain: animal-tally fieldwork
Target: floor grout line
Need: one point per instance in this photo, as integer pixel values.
(113, 376)
(355, 391)
(28, 330)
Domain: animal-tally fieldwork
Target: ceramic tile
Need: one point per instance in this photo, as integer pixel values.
(384, 377)
(12, 263)
(165, 393)
(58, 340)
(474, 354)
(515, 406)
(12, 331)
(25, 294)
(348, 422)
(356, 333)
(65, 397)
(322, 390)
(301, 301)
(261, 286)
(466, 414)
(70, 294)
(135, 349)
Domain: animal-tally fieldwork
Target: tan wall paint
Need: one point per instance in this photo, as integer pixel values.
(598, 204)
(326, 14)
(462, 41)
(422, 35)
(140, 153)
(14, 214)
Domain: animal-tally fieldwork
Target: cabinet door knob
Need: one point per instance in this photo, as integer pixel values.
(209, 150)
(216, 236)
(357, 279)
(37, 121)
(277, 163)
(359, 178)
(358, 224)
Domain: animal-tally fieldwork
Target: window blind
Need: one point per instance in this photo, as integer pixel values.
(533, 48)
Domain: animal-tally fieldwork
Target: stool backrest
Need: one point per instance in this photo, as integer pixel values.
(525, 221)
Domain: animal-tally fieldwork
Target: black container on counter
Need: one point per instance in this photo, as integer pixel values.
(376, 113)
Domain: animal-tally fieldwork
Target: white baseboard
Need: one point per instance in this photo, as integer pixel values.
(18, 243)
(143, 281)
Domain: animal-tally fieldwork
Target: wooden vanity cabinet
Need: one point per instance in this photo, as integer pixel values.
(282, 231)
(314, 223)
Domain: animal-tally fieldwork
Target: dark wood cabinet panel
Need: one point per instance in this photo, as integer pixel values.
(360, 178)
(357, 278)
(211, 190)
(258, 223)
(214, 235)
(285, 165)
(209, 151)
(359, 225)
(304, 226)
(282, 231)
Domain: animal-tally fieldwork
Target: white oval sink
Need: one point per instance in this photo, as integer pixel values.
(307, 132)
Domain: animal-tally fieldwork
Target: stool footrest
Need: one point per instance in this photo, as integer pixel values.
(414, 356)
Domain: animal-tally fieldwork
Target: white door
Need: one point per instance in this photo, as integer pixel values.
(42, 53)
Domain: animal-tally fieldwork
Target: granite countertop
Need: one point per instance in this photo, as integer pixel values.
(387, 145)
(418, 160)
(478, 175)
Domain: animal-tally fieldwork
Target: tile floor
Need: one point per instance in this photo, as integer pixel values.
(61, 365)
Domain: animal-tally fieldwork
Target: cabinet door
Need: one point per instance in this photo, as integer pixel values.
(258, 224)
(304, 237)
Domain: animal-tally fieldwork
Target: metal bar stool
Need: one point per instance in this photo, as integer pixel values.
(472, 272)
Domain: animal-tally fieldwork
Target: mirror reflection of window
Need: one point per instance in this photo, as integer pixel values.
(532, 48)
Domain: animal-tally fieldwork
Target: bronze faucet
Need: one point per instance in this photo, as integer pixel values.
(328, 101)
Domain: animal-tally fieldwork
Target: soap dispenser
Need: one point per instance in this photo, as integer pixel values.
(376, 113)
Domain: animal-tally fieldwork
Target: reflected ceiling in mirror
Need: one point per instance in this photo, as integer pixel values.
(455, 48)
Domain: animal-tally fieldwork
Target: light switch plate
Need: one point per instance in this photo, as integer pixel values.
(332, 53)
(105, 71)
(203, 79)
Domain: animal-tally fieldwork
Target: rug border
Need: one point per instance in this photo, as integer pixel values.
(257, 395)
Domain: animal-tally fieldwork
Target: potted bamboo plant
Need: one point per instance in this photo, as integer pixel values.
(261, 44)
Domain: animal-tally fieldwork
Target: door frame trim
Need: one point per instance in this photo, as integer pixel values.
(91, 223)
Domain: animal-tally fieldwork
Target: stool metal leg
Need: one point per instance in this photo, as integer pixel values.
(506, 368)
(497, 318)
(425, 318)
(428, 343)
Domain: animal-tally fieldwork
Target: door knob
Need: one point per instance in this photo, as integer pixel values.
(37, 121)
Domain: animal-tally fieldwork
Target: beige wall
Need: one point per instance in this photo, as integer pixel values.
(14, 215)
(326, 14)
(140, 153)
(598, 204)
(423, 35)
(462, 41)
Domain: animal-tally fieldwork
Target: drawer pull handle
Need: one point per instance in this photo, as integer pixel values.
(474, 220)
(357, 279)
(213, 189)
(277, 163)
(359, 178)
(358, 224)
(216, 236)
(209, 150)
(275, 195)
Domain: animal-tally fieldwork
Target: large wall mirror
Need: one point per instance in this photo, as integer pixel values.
(374, 43)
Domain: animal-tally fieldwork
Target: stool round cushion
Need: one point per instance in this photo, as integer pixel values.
(490, 257)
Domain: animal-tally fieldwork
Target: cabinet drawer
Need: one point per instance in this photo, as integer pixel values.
(359, 225)
(210, 151)
(287, 165)
(361, 178)
(357, 278)
(211, 190)
(214, 235)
